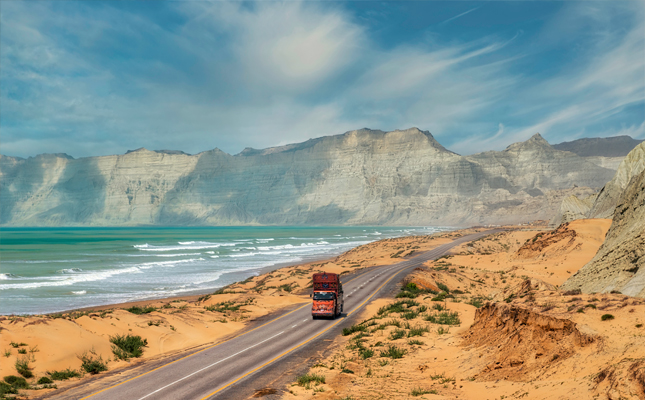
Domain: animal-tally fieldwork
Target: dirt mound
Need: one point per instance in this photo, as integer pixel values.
(624, 379)
(519, 342)
(559, 239)
(423, 279)
(523, 289)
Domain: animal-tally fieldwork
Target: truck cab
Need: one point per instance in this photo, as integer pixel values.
(328, 298)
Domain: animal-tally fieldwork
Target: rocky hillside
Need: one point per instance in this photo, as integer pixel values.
(360, 177)
(604, 152)
(617, 146)
(619, 264)
(603, 203)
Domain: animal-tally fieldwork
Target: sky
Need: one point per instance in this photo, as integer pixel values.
(92, 78)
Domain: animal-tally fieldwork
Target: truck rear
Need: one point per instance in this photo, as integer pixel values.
(328, 295)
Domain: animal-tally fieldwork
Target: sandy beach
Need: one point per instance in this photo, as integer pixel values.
(57, 342)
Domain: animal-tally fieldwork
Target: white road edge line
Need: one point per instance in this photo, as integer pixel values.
(208, 366)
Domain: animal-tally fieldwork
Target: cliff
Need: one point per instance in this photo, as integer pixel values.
(619, 264)
(403, 177)
(603, 203)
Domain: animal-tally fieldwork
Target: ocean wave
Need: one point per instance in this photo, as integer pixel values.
(6, 277)
(73, 279)
(195, 246)
(79, 292)
(69, 271)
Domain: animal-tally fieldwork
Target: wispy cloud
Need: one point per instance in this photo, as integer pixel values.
(458, 16)
(92, 78)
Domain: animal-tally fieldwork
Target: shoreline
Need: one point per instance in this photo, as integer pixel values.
(177, 323)
(58, 303)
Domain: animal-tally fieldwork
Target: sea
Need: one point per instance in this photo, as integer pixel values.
(46, 270)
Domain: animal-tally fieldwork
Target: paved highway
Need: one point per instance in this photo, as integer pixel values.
(214, 371)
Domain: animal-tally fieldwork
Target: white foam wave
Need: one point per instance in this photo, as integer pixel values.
(194, 246)
(90, 277)
(69, 271)
(79, 292)
(6, 277)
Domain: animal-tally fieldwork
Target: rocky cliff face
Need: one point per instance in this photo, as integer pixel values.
(603, 203)
(620, 262)
(360, 177)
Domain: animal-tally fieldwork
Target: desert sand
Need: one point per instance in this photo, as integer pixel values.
(56, 342)
(503, 330)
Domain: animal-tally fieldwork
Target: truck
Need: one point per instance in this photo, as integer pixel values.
(327, 296)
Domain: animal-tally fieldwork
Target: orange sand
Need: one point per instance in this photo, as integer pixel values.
(55, 342)
(528, 340)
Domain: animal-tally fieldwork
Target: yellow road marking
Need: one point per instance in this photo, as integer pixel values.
(197, 352)
(207, 348)
(306, 341)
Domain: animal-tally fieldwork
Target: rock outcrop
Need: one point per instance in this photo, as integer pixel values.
(404, 177)
(603, 203)
(619, 264)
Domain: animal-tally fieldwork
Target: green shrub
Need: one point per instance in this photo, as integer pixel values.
(224, 307)
(397, 334)
(419, 392)
(443, 287)
(22, 366)
(606, 317)
(141, 310)
(347, 371)
(410, 314)
(16, 345)
(444, 318)
(393, 352)
(44, 380)
(127, 346)
(17, 382)
(354, 328)
(63, 375)
(406, 294)
(308, 378)
(415, 341)
(365, 353)
(417, 331)
(6, 388)
(91, 364)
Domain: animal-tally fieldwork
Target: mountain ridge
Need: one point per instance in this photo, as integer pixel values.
(361, 177)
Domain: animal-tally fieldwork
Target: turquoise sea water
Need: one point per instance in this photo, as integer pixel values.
(54, 269)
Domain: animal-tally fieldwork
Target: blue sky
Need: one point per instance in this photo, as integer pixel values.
(94, 78)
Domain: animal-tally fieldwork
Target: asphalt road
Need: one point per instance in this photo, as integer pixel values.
(215, 372)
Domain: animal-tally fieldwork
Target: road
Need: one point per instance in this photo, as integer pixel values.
(216, 371)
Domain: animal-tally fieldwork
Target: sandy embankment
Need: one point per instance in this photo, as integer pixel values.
(527, 340)
(55, 342)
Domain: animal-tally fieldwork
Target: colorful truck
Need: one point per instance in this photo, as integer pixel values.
(328, 295)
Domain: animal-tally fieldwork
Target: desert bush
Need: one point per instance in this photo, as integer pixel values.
(420, 391)
(17, 382)
(44, 380)
(224, 307)
(22, 366)
(127, 346)
(141, 310)
(308, 378)
(393, 352)
(6, 388)
(417, 331)
(63, 375)
(444, 318)
(92, 364)
(397, 334)
(354, 328)
(606, 317)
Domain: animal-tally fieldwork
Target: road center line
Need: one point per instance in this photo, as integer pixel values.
(208, 366)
